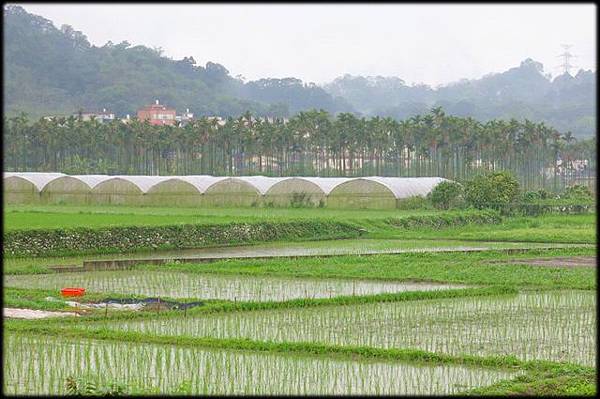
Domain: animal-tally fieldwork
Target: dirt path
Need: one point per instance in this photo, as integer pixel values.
(33, 314)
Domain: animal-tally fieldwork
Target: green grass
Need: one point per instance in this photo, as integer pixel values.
(551, 381)
(459, 268)
(539, 377)
(546, 228)
(33, 265)
(31, 299)
(38, 217)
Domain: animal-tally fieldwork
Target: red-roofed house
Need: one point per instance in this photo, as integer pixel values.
(157, 114)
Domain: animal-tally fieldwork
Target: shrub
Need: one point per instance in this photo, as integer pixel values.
(493, 190)
(530, 196)
(534, 203)
(415, 202)
(577, 192)
(442, 220)
(58, 242)
(533, 196)
(446, 195)
(543, 194)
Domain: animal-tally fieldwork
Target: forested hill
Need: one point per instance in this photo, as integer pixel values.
(50, 71)
(566, 103)
(57, 71)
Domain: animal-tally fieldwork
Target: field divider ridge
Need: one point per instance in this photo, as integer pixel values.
(350, 352)
(125, 264)
(224, 307)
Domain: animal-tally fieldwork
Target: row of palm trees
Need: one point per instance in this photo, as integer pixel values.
(312, 143)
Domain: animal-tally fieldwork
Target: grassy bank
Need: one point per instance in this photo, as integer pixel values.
(377, 223)
(48, 217)
(75, 241)
(460, 268)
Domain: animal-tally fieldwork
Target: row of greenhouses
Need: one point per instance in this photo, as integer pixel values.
(202, 190)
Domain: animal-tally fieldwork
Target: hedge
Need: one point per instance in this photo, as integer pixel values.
(79, 241)
(541, 207)
(449, 219)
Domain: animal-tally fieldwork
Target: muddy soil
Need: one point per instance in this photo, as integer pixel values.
(570, 262)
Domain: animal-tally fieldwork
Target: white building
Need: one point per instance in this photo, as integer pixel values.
(101, 117)
(185, 118)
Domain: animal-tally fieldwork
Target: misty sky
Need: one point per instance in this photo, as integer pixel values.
(432, 44)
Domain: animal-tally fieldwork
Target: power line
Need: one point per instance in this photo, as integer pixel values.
(566, 56)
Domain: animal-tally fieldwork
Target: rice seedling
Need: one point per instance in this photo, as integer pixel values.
(213, 286)
(145, 367)
(553, 325)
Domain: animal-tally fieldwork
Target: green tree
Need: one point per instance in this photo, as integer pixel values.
(492, 190)
(446, 195)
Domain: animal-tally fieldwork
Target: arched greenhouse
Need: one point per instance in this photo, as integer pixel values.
(232, 192)
(212, 191)
(302, 191)
(379, 192)
(262, 183)
(25, 187)
(185, 191)
(71, 190)
(124, 190)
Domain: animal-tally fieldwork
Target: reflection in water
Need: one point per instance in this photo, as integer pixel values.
(213, 286)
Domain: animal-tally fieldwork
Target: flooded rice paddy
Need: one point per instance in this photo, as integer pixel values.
(41, 365)
(555, 325)
(212, 286)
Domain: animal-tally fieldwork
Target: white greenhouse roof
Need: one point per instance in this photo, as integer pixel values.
(201, 182)
(326, 184)
(401, 187)
(91, 180)
(404, 187)
(144, 183)
(36, 178)
(261, 183)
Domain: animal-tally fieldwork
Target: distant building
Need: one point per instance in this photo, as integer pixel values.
(220, 121)
(273, 119)
(99, 116)
(185, 118)
(157, 114)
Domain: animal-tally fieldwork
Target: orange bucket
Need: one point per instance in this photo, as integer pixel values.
(72, 291)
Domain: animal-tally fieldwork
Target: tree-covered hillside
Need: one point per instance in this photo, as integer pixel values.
(57, 71)
(51, 71)
(567, 103)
